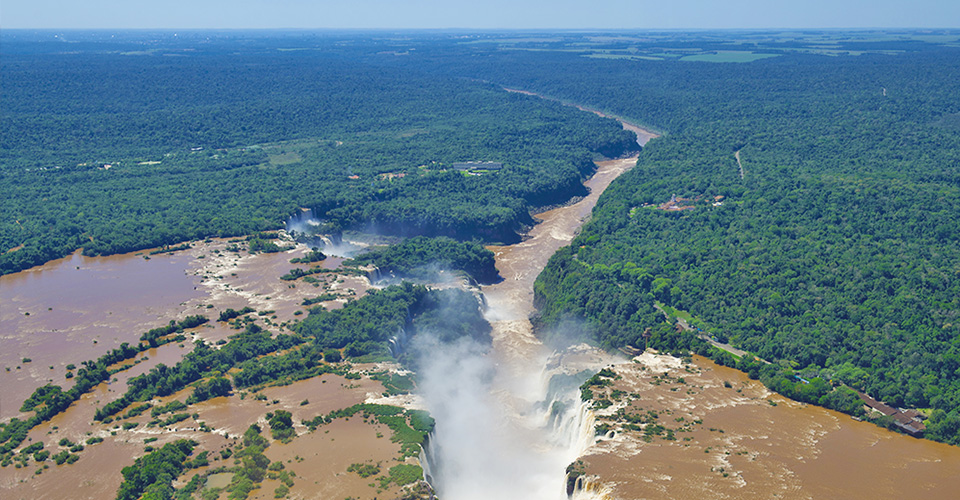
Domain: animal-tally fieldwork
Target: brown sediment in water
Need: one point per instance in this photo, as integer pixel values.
(224, 279)
(788, 451)
(319, 458)
(85, 479)
(54, 313)
(324, 394)
(327, 453)
(511, 300)
(519, 264)
(96, 474)
(77, 308)
(752, 443)
(98, 471)
(643, 135)
(114, 300)
(236, 280)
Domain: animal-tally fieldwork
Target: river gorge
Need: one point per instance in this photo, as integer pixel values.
(509, 420)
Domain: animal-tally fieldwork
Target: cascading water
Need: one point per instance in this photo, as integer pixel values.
(397, 342)
(509, 420)
(308, 229)
(302, 221)
(586, 488)
(495, 438)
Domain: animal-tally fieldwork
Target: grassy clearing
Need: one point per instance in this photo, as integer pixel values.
(287, 158)
(623, 56)
(674, 313)
(728, 57)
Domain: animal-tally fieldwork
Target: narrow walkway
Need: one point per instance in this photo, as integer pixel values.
(706, 337)
(737, 156)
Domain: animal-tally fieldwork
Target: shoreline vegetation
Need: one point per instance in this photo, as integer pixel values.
(50, 400)
(857, 298)
(427, 259)
(326, 342)
(802, 265)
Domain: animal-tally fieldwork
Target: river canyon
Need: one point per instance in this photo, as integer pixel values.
(509, 419)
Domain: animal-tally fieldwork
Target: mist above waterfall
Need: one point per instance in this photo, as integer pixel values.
(498, 435)
(329, 238)
(477, 452)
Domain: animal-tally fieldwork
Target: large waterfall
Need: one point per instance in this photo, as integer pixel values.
(499, 435)
(510, 419)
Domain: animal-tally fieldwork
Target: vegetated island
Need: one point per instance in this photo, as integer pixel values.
(802, 228)
(427, 258)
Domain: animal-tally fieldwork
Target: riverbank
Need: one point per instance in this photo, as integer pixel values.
(689, 428)
(743, 443)
(773, 444)
(644, 133)
(206, 278)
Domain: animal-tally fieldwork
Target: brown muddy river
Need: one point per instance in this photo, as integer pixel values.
(75, 301)
(521, 263)
(75, 309)
(752, 443)
(786, 450)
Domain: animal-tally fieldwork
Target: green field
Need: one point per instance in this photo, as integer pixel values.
(727, 57)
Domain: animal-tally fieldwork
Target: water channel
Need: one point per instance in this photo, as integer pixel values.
(524, 423)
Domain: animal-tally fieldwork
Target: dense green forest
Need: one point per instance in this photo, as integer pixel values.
(821, 177)
(382, 321)
(112, 149)
(424, 258)
(835, 251)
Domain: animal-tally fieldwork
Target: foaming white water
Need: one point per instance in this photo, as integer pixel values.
(502, 432)
(510, 421)
(586, 422)
(307, 229)
(476, 453)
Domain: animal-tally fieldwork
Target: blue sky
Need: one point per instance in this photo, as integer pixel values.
(480, 14)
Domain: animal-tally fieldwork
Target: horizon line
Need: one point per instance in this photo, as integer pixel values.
(455, 29)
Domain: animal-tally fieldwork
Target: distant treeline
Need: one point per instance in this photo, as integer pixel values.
(114, 153)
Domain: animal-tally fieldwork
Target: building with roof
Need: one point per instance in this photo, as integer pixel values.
(478, 165)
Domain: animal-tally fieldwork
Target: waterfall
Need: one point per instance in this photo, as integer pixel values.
(397, 342)
(568, 418)
(585, 423)
(496, 441)
(374, 274)
(302, 222)
(588, 488)
(509, 419)
(426, 460)
(306, 228)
